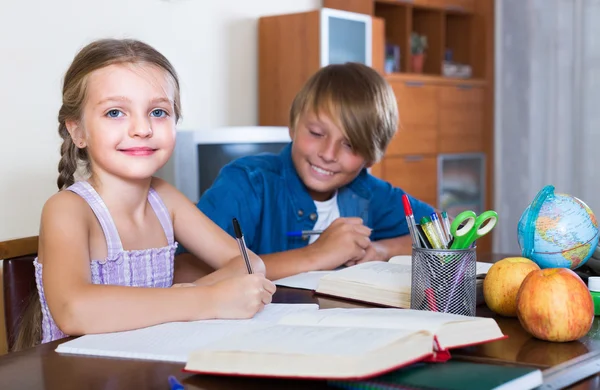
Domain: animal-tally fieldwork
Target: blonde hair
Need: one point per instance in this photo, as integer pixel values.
(358, 100)
(97, 55)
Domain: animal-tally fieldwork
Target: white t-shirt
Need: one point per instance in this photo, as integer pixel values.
(327, 212)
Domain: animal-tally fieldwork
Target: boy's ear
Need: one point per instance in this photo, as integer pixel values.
(76, 133)
(369, 164)
(291, 132)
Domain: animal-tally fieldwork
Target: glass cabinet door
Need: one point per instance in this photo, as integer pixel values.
(345, 37)
(461, 183)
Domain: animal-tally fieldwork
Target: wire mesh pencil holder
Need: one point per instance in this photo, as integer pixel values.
(444, 280)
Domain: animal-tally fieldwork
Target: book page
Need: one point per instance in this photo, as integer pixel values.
(175, 340)
(377, 273)
(272, 313)
(308, 340)
(376, 318)
(482, 268)
(304, 280)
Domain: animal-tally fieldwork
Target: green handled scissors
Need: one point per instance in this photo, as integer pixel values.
(474, 228)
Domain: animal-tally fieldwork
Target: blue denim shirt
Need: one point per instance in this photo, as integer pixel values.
(268, 198)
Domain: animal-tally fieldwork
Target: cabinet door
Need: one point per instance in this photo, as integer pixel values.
(417, 175)
(461, 119)
(345, 37)
(418, 111)
(359, 6)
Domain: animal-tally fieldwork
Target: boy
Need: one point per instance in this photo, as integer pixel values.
(341, 122)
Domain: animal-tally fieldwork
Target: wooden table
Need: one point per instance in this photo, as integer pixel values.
(42, 368)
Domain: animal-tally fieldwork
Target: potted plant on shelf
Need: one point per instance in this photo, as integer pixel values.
(418, 49)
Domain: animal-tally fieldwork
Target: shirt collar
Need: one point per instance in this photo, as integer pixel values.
(300, 198)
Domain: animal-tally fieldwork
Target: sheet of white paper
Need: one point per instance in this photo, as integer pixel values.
(483, 268)
(304, 281)
(175, 340)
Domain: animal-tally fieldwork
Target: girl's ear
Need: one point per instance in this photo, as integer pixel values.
(76, 132)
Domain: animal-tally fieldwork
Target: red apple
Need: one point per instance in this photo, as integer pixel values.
(554, 304)
(502, 282)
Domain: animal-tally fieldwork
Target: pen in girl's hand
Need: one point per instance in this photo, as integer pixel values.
(239, 236)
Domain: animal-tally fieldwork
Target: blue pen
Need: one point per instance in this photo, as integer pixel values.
(174, 384)
(301, 233)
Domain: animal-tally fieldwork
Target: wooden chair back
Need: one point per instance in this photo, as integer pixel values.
(18, 277)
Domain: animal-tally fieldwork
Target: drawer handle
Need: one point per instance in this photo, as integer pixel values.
(406, 1)
(453, 7)
(464, 86)
(414, 83)
(413, 158)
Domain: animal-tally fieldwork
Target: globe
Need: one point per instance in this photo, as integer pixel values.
(557, 230)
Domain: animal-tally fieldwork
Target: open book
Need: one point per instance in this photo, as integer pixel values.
(378, 282)
(341, 343)
(173, 341)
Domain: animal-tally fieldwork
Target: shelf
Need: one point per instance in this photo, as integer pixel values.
(418, 77)
(398, 24)
(453, 6)
(430, 23)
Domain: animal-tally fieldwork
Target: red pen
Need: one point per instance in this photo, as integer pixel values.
(410, 220)
(431, 299)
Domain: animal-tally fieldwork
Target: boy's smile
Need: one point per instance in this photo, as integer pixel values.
(321, 172)
(322, 156)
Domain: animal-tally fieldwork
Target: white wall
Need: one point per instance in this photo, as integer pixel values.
(212, 44)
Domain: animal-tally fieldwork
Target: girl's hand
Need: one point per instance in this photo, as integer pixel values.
(242, 296)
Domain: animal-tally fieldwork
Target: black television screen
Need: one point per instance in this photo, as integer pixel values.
(212, 157)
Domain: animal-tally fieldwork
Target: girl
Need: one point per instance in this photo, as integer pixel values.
(103, 237)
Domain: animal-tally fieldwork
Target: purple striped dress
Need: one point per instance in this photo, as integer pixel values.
(137, 268)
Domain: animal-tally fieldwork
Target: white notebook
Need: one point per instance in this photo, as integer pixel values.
(174, 341)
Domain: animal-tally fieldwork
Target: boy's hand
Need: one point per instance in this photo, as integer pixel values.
(242, 296)
(346, 239)
(374, 252)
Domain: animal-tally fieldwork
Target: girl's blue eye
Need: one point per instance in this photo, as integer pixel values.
(159, 113)
(113, 113)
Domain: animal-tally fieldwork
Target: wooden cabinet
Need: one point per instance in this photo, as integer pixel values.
(461, 119)
(418, 111)
(416, 175)
(437, 117)
(360, 6)
(292, 47)
(459, 5)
